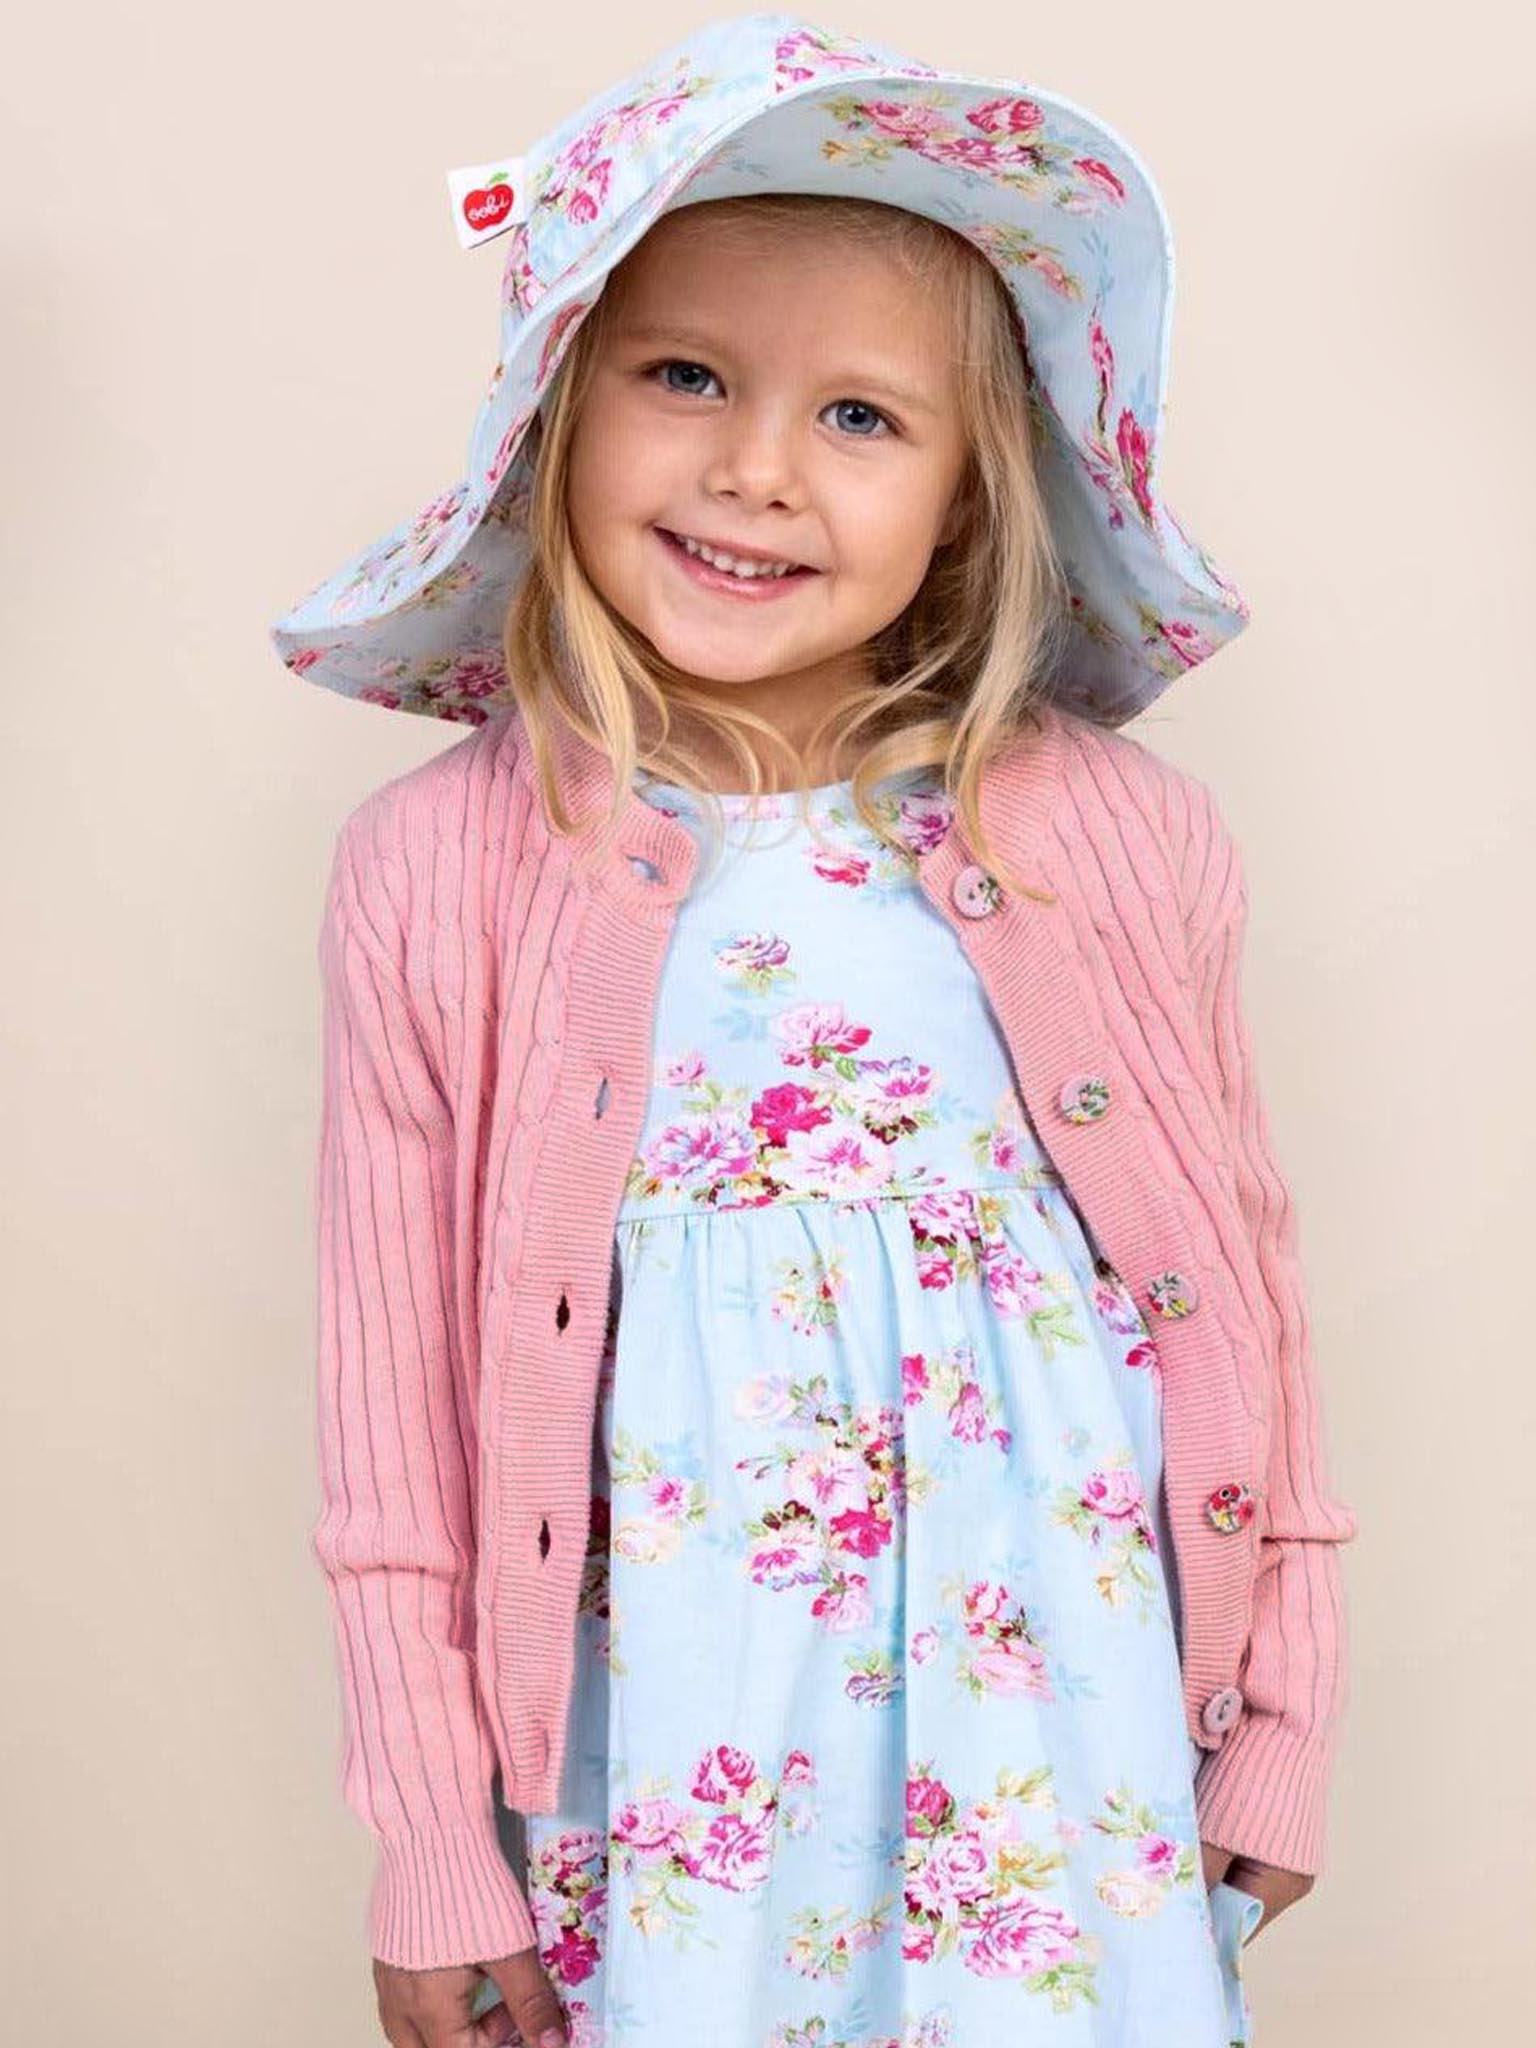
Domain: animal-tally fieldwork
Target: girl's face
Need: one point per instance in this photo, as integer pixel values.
(788, 399)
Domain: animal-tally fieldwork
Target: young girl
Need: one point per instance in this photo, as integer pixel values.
(823, 1492)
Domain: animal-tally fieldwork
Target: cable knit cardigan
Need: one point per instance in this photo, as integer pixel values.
(488, 998)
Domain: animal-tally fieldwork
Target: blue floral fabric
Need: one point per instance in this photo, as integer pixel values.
(877, 1736)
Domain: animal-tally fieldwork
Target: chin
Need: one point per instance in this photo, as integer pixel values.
(711, 665)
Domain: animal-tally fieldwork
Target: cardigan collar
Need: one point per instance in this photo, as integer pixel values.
(1018, 791)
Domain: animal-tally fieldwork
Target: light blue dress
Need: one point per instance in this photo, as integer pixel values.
(877, 1736)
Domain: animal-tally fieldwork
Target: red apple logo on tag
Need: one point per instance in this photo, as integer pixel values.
(487, 206)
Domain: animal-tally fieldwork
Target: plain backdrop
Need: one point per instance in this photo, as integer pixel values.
(240, 341)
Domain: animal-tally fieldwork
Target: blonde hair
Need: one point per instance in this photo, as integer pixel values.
(956, 675)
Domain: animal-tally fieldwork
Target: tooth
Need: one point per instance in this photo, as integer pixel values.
(731, 565)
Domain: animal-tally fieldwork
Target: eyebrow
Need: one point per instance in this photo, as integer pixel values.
(685, 337)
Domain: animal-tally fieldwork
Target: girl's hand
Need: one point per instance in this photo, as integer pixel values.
(431, 2008)
(1277, 1888)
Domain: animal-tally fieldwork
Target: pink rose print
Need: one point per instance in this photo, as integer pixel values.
(586, 200)
(722, 1771)
(1187, 643)
(841, 865)
(1122, 472)
(667, 1497)
(998, 1653)
(778, 1113)
(568, 1894)
(726, 1839)
(808, 53)
(892, 1095)
(791, 1553)
(579, 180)
(838, 1495)
(841, 1160)
(756, 962)
(1159, 1863)
(968, 1416)
(959, 1235)
(1099, 174)
(1003, 137)
(956, 1870)
(1136, 460)
(711, 1148)
(1116, 1496)
(948, 1383)
(1006, 117)
(844, 1604)
(658, 1506)
(862, 1531)
(1109, 1511)
(1101, 350)
(572, 1956)
(654, 1826)
(929, 1804)
(924, 818)
(1025, 1938)
(818, 1034)
(973, 1879)
(736, 1852)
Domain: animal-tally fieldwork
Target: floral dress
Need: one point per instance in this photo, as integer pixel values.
(877, 1735)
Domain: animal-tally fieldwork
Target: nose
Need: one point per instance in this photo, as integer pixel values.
(754, 460)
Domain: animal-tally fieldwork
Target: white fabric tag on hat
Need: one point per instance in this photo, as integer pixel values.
(487, 199)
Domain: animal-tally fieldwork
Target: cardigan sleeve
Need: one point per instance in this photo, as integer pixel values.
(395, 1536)
(1263, 1793)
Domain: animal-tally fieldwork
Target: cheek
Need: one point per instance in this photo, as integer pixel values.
(618, 483)
(590, 483)
(594, 517)
(889, 533)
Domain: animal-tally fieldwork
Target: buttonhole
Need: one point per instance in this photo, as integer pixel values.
(544, 1538)
(602, 1095)
(562, 1313)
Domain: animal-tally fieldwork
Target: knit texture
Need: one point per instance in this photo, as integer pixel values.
(488, 988)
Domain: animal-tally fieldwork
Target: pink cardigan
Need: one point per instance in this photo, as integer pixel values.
(488, 995)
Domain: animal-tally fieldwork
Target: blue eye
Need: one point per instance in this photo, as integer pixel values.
(692, 390)
(677, 364)
(858, 405)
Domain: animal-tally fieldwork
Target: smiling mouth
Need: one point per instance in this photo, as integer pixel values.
(721, 565)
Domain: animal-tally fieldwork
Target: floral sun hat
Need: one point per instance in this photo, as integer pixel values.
(1064, 209)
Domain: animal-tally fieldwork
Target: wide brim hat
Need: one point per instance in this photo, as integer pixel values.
(1055, 199)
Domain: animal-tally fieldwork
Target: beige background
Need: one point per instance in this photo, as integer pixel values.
(241, 341)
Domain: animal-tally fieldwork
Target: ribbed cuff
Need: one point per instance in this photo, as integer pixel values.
(446, 1899)
(1263, 1794)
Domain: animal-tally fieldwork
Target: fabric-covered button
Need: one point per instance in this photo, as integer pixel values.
(1231, 1507)
(1084, 1099)
(1171, 1294)
(974, 891)
(1221, 1710)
